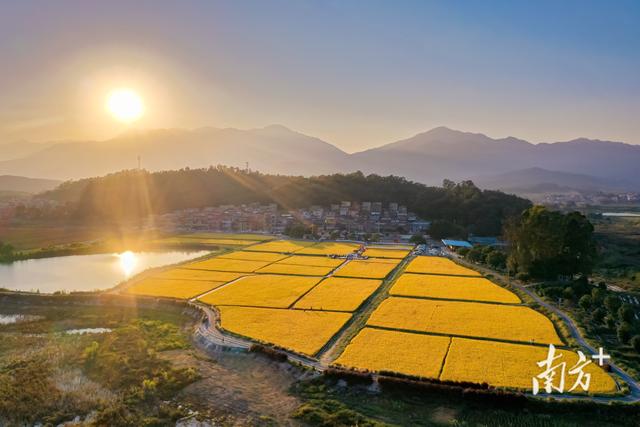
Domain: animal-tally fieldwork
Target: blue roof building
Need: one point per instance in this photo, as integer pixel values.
(456, 243)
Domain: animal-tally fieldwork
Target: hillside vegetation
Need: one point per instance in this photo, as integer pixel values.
(132, 195)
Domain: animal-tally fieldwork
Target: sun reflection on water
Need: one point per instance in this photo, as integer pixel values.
(128, 262)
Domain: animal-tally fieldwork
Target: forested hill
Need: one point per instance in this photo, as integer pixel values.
(131, 195)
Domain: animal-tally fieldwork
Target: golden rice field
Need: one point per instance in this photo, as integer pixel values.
(386, 253)
(502, 322)
(302, 270)
(366, 269)
(452, 287)
(407, 353)
(281, 246)
(318, 261)
(298, 330)
(266, 290)
(512, 365)
(171, 288)
(190, 274)
(339, 293)
(330, 248)
(220, 264)
(253, 256)
(438, 265)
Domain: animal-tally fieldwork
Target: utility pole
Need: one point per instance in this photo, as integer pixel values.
(246, 166)
(138, 162)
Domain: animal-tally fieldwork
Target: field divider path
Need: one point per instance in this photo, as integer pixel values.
(210, 330)
(336, 345)
(513, 304)
(469, 337)
(326, 276)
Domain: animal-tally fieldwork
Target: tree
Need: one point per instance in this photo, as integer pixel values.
(612, 303)
(6, 252)
(297, 230)
(635, 343)
(610, 321)
(585, 302)
(497, 259)
(418, 239)
(626, 313)
(624, 332)
(441, 229)
(475, 255)
(598, 315)
(547, 244)
(568, 293)
(597, 295)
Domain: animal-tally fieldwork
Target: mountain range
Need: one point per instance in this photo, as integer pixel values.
(429, 157)
(21, 184)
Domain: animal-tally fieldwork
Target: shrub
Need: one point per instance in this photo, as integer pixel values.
(271, 353)
(626, 313)
(635, 343)
(624, 332)
(585, 302)
(351, 376)
(612, 303)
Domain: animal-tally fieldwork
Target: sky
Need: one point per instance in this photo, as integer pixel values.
(357, 74)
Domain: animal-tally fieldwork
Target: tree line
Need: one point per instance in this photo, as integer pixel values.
(133, 195)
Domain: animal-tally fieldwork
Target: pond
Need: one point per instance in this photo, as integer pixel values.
(84, 272)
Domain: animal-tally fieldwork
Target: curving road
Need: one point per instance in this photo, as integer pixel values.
(208, 329)
(634, 387)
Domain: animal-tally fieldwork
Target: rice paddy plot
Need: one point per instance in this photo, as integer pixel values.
(281, 246)
(513, 365)
(406, 353)
(168, 288)
(317, 261)
(190, 274)
(302, 270)
(452, 287)
(339, 293)
(265, 290)
(297, 330)
(253, 256)
(331, 248)
(366, 269)
(386, 253)
(438, 265)
(469, 319)
(221, 264)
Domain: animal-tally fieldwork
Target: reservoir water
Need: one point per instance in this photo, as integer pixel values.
(84, 272)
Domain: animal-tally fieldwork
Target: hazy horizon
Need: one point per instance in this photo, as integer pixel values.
(355, 75)
(134, 130)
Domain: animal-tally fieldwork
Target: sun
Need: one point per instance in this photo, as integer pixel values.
(125, 105)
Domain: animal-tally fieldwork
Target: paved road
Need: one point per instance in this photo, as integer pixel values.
(633, 396)
(209, 330)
